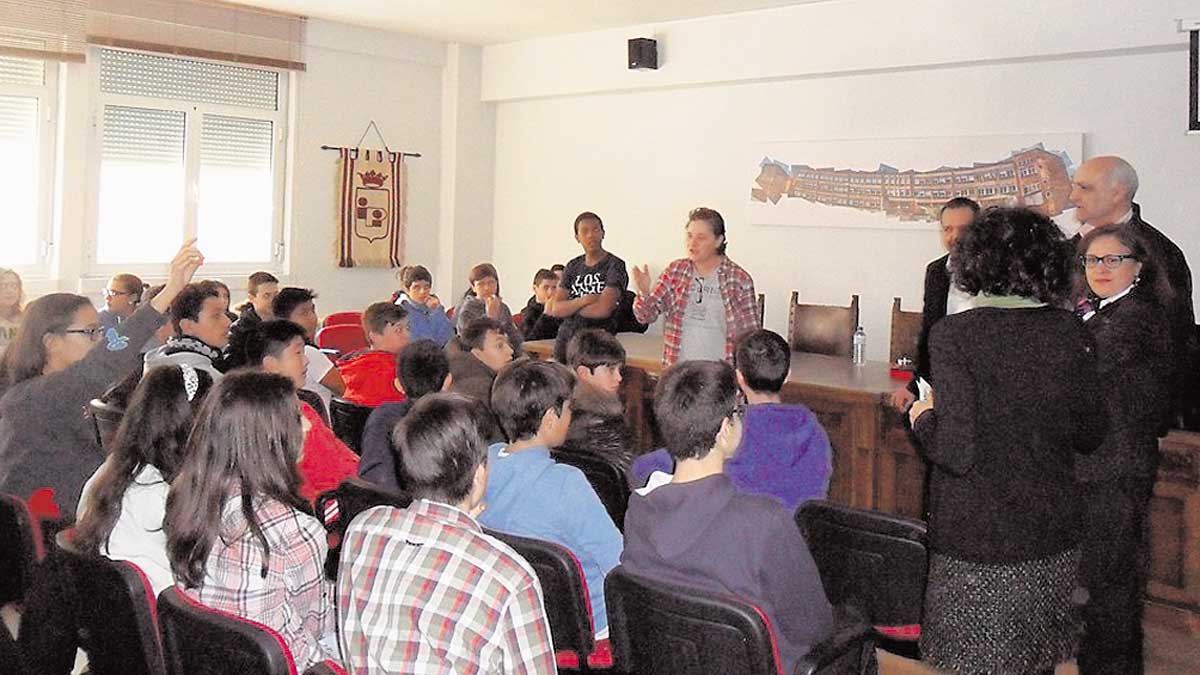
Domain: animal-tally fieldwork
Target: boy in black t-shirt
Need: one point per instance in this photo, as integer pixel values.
(535, 323)
(591, 285)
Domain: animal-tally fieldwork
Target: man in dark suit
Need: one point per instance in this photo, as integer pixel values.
(940, 297)
(1102, 192)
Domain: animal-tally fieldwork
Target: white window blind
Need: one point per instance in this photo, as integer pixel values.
(141, 74)
(44, 29)
(19, 189)
(235, 188)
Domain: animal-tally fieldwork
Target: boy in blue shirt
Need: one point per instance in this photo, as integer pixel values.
(529, 494)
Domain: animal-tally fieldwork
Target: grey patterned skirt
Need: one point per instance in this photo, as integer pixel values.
(1000, 619)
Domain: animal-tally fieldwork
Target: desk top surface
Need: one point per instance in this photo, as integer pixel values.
(644, 351)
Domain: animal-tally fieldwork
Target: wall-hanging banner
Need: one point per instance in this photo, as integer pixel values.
(372, 199)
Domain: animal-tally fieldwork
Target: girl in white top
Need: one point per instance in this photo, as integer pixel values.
(121, 510)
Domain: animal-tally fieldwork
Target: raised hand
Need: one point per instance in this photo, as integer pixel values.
(641, 278)
(182, 268)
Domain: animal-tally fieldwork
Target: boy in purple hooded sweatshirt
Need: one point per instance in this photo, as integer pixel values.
(698, 530)
(785, 452)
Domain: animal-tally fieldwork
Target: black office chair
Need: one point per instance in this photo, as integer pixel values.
(875, 561)
(606, 479)
(23, 548)
(337, 508)
(567, 606)
(348, 420)
(658, 628)
(314, 399)
(106, 417)
(202, 640)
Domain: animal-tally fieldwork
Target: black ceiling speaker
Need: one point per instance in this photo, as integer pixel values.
(643, 54)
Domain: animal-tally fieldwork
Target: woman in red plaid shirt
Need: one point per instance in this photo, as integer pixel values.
(708, 299)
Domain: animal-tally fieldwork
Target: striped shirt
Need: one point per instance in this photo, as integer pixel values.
(424, 590)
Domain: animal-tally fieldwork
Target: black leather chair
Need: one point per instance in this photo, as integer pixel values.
(567, 606)
(314, 399)
(199, 640)
(348, 420)
(337, 507)
(106, 417)
(658, 628)
(23, 548)
(115, 617)
(606, 478)
(874, 561)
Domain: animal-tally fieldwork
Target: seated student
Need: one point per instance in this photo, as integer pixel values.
(700, 531)
(121, 509)
(597, 415)
(535, 323)
(370, 374)
(12, 303)
(121, 297)
(529, 494)
(239, 538)
(278, 348)
(201, 331)
(482, 300)
(785, 452)
(478, 353)
(423, 589)
(296, 305)
(427, 318)
(422, 369)
(261, 288)
(223, 289)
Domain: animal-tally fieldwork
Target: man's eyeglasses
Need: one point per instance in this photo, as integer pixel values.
(1111, 262)
(93, 333)
(108, 293)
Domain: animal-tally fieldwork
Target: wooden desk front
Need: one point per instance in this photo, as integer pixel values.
(875, 465)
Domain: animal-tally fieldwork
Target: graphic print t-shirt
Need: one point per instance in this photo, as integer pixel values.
(581, 280)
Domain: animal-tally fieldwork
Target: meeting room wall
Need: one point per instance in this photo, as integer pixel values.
(575, 130)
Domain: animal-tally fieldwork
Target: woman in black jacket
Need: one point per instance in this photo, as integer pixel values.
(1123, 310)
(1017, 397)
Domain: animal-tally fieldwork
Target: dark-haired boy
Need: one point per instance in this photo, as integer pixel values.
(422, 369)
(298, 306)
(370, 374)
(201, 331)
(591, 286)
(597, 415)
(476, 356)
(698, 530)
(785, 451)
(529, 494)
(277, 347)
(535, 323)
(423, 589)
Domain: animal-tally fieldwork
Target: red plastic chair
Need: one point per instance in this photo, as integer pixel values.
(342, 318)
(344, 338)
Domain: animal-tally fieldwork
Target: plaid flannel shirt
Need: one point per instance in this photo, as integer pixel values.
(424, 590)
(294, 597)
(670, 295)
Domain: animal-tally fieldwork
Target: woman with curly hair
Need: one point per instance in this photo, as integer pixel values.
(1017, 397)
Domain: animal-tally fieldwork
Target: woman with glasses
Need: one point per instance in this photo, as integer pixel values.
(12, 296)
(59, 360)
(121, 297)
(1016, 397)
(1123, 310)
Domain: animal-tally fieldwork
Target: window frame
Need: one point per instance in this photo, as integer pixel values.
(47, 98)
(193, 119)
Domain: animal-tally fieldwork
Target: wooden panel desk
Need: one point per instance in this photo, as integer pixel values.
(875, 465)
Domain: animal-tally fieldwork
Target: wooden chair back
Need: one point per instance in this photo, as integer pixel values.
(906, 330)
(822, 329)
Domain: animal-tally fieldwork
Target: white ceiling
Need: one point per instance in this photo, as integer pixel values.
(492, 21)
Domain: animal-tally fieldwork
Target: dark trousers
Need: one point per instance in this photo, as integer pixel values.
(1113, 569)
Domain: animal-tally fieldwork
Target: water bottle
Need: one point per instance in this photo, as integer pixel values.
(859, 344)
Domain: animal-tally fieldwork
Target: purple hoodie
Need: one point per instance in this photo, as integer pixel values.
(784, 453)
(705, 534)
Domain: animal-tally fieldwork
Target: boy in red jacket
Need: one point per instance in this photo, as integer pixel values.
(370, 374)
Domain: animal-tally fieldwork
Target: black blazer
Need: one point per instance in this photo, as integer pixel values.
(937, 288)
(1134, 362)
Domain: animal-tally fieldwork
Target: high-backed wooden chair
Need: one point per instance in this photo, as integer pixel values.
(906, 330)
(822, 329)
(761, 303)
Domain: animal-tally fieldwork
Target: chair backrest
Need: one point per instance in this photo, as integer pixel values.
(875, 561)
(117, 615)
(606, 478)
(106, 417)
(761, 303)
(906, 330)
(339, 506)
(199, 639)
(345, 338)
(658, 628)
(314, 399)
(23, 548)
(348, 420)
(565, 591)
(342, 319)
(822, 329)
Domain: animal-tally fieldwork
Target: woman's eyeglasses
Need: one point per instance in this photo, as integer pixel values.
(1111, 262)
(109, 293)
(93, 332)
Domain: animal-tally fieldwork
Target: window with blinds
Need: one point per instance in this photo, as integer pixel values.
(24, 161)
(187, 148)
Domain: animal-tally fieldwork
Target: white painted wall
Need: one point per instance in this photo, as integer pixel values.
(641, 156)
